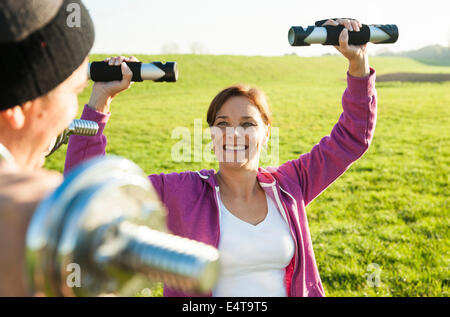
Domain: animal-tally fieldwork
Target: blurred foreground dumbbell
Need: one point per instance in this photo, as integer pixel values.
(106, 219)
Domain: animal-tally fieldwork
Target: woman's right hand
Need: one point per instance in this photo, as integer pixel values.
(357, 55)
(104, 92)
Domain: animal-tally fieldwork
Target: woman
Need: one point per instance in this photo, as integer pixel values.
(254, 216)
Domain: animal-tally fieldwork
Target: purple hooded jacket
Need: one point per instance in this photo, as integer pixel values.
(191, 198)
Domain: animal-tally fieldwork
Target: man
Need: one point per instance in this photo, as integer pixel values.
(44, 46)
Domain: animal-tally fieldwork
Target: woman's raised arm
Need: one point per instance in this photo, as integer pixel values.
(81, 148)
(351, 136)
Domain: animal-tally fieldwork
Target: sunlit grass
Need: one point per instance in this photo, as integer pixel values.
(390, 208)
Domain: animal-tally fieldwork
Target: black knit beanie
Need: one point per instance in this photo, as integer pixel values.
(41, 45)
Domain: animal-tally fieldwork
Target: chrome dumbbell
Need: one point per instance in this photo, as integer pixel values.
(76, 127)
(106, 219)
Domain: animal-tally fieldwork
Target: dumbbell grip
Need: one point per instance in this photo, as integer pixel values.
(329, 35)
(156, 71)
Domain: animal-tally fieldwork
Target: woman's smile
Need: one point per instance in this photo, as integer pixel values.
(235, 148)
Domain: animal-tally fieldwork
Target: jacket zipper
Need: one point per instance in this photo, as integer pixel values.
(218, 210)
(280, 205)
(296, 216)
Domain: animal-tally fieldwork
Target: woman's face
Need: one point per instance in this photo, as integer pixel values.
(239, 133)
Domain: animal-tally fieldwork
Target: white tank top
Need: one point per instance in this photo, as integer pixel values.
(253, 258)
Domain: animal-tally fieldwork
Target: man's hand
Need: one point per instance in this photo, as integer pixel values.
(104, 92)
(20, 193)
(356, 54)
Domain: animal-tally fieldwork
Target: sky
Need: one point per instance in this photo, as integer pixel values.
(254, 27)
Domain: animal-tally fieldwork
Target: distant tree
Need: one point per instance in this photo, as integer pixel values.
(384, 51)
(432, 54)
(330, 54)
(198, 48)
(170, 48)
(448, 33)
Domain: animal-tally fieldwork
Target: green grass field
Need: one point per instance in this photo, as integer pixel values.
(389, 211)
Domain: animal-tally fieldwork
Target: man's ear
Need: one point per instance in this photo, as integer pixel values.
(15, 117)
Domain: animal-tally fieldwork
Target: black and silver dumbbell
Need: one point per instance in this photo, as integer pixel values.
(156, 71)
(329, 35)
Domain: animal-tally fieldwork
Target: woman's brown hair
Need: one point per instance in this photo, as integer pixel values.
(255, 95)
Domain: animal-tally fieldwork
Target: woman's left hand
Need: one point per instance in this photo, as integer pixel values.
(356, 54)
